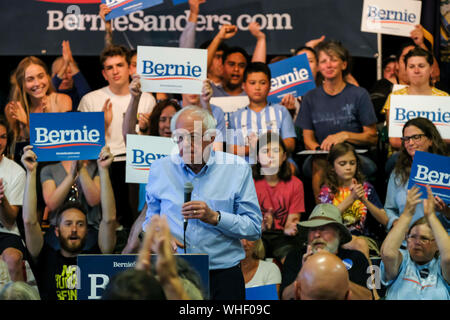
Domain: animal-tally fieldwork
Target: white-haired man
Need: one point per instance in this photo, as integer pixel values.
(220, 214)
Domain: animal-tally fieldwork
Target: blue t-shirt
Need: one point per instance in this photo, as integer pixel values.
(349, 110)
(409, 285)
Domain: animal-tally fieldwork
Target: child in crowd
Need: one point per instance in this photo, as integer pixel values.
(346, 188)
(259, 116)
(280, 195)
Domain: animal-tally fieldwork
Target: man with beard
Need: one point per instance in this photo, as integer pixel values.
(56, 270)
(327, 232)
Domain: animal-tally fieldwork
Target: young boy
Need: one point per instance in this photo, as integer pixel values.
(259, 116)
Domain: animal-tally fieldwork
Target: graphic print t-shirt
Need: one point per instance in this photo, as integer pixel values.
(57, 275)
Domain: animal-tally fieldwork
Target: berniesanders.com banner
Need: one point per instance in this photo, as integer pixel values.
(38, 27)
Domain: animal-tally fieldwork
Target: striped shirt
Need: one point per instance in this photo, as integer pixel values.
(273, 117)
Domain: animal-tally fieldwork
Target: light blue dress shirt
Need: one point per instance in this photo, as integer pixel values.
(409, 285)
(225, 183)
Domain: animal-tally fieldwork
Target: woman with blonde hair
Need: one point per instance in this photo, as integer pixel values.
(257, 271)
(32, 92)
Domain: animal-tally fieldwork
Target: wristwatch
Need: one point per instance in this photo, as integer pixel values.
(218, 217)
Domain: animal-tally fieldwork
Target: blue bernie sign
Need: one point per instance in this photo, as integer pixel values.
(67, 135)
(95, 271)
(124, 7)
(290, 76)
(434, 170)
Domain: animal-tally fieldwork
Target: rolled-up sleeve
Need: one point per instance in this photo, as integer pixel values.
(153, 202)
(245, 221)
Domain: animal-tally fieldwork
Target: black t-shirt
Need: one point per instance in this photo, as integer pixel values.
(56, 275)
(354, 260)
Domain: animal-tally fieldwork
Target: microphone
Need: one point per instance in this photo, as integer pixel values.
(188, 187)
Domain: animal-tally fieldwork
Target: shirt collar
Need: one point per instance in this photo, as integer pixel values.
(209, 163)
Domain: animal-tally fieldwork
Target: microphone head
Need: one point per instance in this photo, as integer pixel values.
(188, 187)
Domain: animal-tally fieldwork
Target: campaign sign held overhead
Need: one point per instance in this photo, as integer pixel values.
(290, 76)
(431, 169)
(397, 17)
(171, 70)
(67, 135)
(124, 7)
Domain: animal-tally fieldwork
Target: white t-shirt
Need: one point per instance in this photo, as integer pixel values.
(14, 183)
(267, 273)
(94, 101)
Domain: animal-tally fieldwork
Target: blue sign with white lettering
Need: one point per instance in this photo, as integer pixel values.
(67, 135)
(266, 292)
(95, 271)
(434, 170)
(290, 76)
(124, 7)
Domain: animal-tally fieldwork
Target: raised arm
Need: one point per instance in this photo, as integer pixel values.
(33, 233)
(187, 37)
(104, 10)
(90, 186)
(227, 31)
(260, 53)
(390, 254)
(107, 230)
(129, 121)
(417, 35)
(440, 234)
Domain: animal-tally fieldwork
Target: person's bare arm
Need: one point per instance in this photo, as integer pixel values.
(129, 121)
(33, 233)
(417, 35)
(107, 229)
(359, 292)
(260, 52)
(290, 144)
(90, 186)
(309, 139)
(390, 254)
(227, 31)
(440, 234)
(367, 136)
(133, 241)
(104, 10)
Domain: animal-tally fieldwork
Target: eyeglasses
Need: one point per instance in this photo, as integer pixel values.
(179, 138)
(421, 240)
(415, 137)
